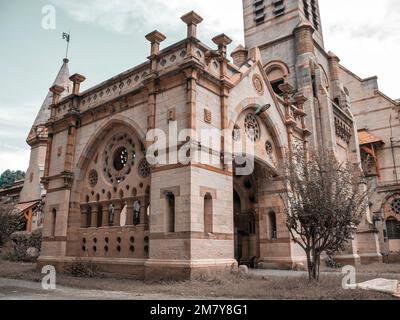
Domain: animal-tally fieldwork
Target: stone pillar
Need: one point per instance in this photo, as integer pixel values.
(56, 91)
(77, 79)
(155, 38)
(129, 212)
(222, 41)
(143, 210)
(105, 222)
(48, 154)
(84, 216)
(191, 92)
(117, 214)
(192, 19)
(70, 148)
(95, 211)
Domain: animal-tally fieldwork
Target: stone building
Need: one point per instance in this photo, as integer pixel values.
(109, 202)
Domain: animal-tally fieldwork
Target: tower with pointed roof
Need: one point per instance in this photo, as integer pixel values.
(33, 191)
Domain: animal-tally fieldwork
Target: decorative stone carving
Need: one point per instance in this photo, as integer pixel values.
(144, 169)
(207, 116)
(396, 206)
(258, 84)
(93, 178)
(119, 158)
(268, 147)
(252, 127)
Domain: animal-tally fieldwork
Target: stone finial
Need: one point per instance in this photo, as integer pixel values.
(76, 79)
(222, 41)
(239, 55)
(155, 38)
(56, 91)
(192, 19)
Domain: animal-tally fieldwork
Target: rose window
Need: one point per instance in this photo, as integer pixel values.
(396, 206)
(252, 127)
(119, 158)
(144, 169)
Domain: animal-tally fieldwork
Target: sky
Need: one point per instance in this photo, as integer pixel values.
(107, 37)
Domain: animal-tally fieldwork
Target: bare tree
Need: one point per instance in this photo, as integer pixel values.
(326, 202)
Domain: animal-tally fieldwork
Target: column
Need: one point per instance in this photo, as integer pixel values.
(84, 216)
(129, 212)
(117, 214)
(143, 210)
(95, 210)
(105, 222)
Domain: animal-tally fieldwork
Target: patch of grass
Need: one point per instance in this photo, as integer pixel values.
(229, 286)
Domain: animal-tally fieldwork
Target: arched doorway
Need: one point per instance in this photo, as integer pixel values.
(245, 220)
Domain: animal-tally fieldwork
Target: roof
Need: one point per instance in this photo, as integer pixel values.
(22, 207)
(62, 80)
(364, 137)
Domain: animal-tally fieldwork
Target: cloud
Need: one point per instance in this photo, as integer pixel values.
(366, 36)
(128, 16)
(15, 122)
(13, 159)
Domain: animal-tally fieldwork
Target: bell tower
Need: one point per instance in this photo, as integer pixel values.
(290, 38)
(267, 21)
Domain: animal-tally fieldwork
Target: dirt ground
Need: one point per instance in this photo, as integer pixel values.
(243, 287)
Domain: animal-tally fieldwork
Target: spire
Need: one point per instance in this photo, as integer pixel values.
(61, 80)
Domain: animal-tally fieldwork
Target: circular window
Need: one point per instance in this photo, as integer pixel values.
(396, 206)
(252, 127)
(268, 147)
(144, 169)
(93, 178)
(120, 158)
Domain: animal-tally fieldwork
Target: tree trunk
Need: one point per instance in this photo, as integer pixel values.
(310, 266)
(316, 263)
